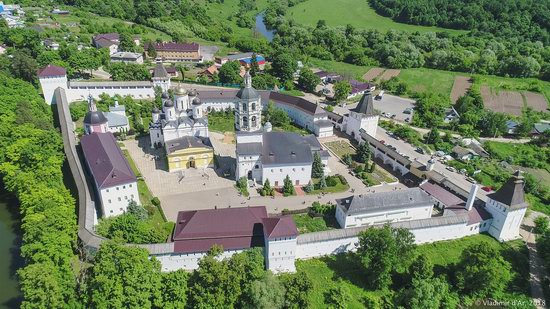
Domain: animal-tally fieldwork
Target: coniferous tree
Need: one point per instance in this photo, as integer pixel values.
(317, 169)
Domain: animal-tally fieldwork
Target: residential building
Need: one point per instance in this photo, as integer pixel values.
(358, 87)
(107, 40)
(177, 52)
(114, 182)
(244, 58)
(127, 57)
(383, 207)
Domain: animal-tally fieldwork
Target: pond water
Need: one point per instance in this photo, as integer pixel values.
(10, 258)
(261, 28)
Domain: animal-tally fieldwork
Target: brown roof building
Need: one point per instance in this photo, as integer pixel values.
(232, 228)
(172, 51)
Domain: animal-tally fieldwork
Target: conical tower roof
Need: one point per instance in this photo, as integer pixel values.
(366, 105)
(511, 193)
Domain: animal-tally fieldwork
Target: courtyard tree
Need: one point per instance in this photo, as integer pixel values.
(383, 251)
(322, 183)
(308, 80)
(341, 90)
(267, 190)
(363, 152)
(277, 116)
(541, 225)
(288, 187)
(309, 187)
(137, 210)
(482, 271)
(317, 170)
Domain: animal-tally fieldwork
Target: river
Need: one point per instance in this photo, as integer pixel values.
(10, 258)
(261, 28)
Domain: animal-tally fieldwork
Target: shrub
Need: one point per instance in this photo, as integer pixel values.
(332, 181)
(343, 179)
(541, 225)
(155, 200)
(308, 188)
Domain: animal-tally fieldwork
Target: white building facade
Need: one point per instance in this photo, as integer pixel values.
(361, 119)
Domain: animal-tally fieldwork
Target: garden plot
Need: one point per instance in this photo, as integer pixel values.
(372, 74)
(460, 86)
(503, 101)
(536, 101)
(389, 74)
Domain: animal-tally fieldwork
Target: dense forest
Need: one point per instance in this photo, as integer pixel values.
(521, 20)
(473, 52)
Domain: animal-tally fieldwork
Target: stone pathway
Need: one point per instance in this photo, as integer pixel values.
(536, 266)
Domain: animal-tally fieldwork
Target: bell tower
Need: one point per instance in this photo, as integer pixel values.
(249, 107)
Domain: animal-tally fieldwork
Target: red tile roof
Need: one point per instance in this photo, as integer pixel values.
(105, 160)
(52, 70)
(233, 228)
(173, 46)
(279, 227)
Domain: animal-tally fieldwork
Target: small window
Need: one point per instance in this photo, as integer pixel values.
(130, 185)
(107, 190)
(272, 170)
(293, 169)
(123, 187)
(117, 188)
(257, 166)
(280, 170)
(132, 196)
(303, 169)
(119, 199)
(111, 211)
(109, 201)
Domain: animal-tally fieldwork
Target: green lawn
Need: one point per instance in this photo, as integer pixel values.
(296, 93)
(341, 148)
(339, 187)
(221, 122)
(156, 215)
(344, 269)
(507, 83)
(342, 68)
(307, 224)
(355, 12)
(429, 80)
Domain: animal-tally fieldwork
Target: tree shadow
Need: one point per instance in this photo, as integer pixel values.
(519, 260)
(16, 260)
(347, 266)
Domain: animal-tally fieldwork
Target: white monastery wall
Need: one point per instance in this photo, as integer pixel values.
(383, 216)
(299, 174)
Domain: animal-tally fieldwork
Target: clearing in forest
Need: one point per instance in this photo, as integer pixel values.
(461, 85)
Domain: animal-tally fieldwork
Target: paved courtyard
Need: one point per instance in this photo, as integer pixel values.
(206, 189)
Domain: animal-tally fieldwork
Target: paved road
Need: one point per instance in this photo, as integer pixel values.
(536, 266)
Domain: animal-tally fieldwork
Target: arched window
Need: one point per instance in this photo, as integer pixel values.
(245, 121)
(253, 106)
(245, 107)
(253, 120)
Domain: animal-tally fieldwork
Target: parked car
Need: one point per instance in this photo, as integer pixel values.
(407, 119)
(470, 179)
(463, 171)
(450, 168)
(382, 141)
(408, 110)
(487, 188)
(420, 150)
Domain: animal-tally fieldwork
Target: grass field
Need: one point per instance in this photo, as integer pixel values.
(307, 224)
(339, 187)
(429, 80)
(344, 269)
(221, 122)
(507, 83)
(355, 12)
(342, 68)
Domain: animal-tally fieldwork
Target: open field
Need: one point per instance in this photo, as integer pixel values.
(372, 74)
(226, 10)
(355, 12)
(503, 101)
(506, 83)
(428, 80)
(389, 73)
(461, 85)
